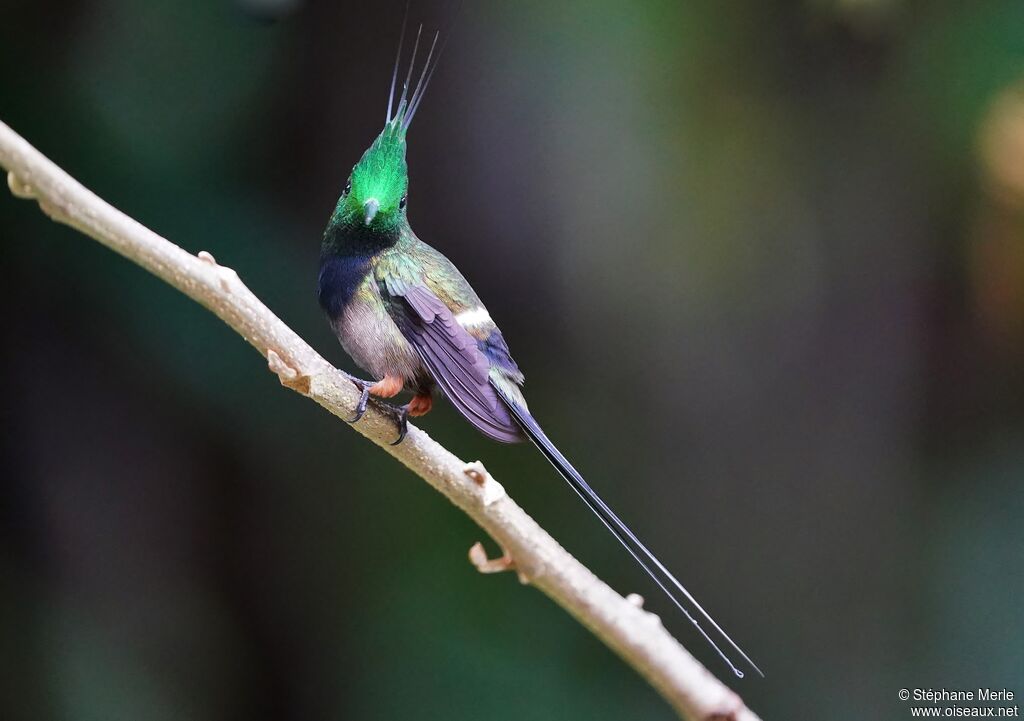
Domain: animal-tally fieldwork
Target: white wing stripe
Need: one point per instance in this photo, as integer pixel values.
(473, 318)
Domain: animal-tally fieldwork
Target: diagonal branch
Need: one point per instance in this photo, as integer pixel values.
(636, 635)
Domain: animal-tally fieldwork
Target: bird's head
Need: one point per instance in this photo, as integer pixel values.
(375, 196)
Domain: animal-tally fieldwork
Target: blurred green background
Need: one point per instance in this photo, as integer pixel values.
(763, 265)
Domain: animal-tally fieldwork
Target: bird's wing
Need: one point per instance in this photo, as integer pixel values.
(453, 356)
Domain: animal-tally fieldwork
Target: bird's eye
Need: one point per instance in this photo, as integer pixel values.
(402, 202)
(348, 188)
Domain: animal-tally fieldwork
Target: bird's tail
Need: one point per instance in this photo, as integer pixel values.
(647, 560)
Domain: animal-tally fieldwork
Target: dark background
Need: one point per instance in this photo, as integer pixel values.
(763, 265)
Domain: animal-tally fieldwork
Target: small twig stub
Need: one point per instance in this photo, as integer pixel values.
(289, 377)
(478, 557)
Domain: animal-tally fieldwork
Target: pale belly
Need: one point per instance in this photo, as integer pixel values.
(374, 342)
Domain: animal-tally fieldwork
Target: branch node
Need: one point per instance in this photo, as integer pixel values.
(476, 471)
(635, 599)
(19, 188)
(492, 490)
(227, 277)
(289, 377)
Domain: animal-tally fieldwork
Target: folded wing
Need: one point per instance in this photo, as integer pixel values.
(453, 357)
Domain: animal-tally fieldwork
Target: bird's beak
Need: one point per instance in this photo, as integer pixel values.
(370, 208)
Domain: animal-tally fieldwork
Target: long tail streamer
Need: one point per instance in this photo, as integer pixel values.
(647, 560)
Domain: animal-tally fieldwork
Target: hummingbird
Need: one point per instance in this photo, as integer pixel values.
(406, 315)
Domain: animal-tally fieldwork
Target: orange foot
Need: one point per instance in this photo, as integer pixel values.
(389, 387)
(420, 405)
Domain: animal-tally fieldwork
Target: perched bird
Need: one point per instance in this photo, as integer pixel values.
(407, 316)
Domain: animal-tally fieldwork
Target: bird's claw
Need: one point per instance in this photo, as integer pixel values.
(364, 398)
(403, 424)
(401, 413)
